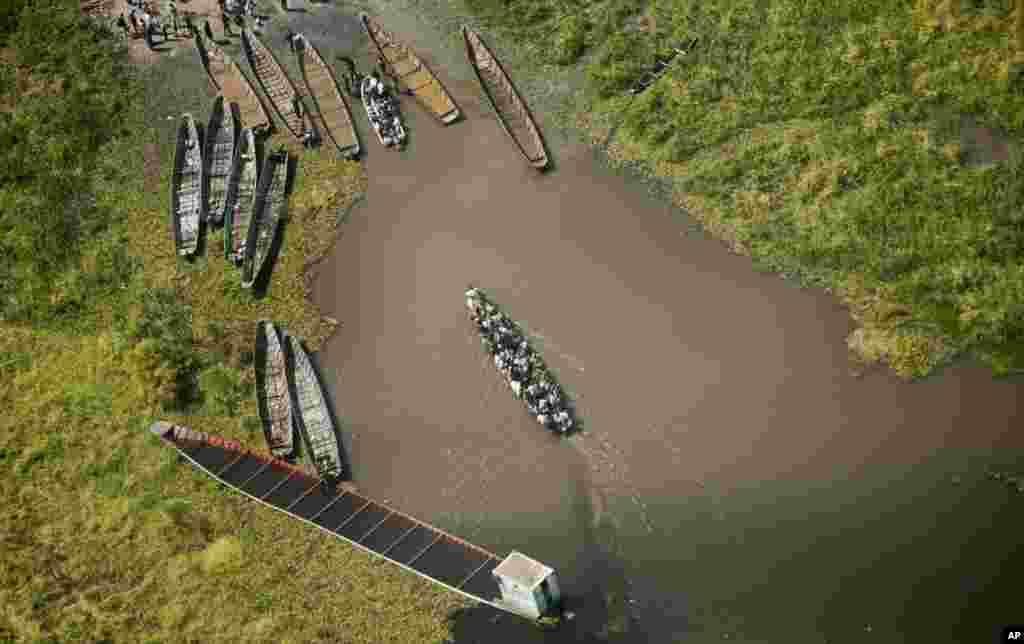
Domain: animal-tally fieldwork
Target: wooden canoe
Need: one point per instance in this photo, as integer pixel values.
(411, 72)
(273, 398)
(266, 216)
(509, 107)
(275, 83)
(241, 197)
(328, 99)
(187, 188)
(522, 367)
(221, 136)
(227, 78)
(311, 413)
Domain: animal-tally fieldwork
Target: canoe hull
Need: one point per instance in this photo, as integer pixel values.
(499, 90)
(411, 72)
(331, 107)
(266, 218)
(273, 399)
(314, 422)
(187, 194)
(276, 84)
(221, 139)
(241, 196)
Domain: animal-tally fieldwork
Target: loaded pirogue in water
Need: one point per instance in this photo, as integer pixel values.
(523, 368)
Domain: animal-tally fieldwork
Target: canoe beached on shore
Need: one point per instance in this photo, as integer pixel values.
(310, 408)
(509, 107)
(227, 78)
(241, 197)
(328, 99)
(275, 83)
(411, 72)
(266, 217)
(273, 399)
(187, 188)
(221, 136)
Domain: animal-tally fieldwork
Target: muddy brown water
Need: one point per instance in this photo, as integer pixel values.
(736, 481)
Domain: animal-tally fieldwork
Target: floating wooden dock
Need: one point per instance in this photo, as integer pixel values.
(374, 527)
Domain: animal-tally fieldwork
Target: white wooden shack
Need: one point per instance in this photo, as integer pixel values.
(528, 587)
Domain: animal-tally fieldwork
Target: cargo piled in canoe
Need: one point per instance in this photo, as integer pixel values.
(187, 188)
(221, 136)
(241, 197)
(411, 72)
(266, 217)
(227, 78)
(508, 105)
(310, 408)
(382, 111)
(276, 84)
(273, 398)
(523, 368)
(328, 100)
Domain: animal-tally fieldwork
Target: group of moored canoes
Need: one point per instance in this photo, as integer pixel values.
(523, 368)
(221, 183)
(291, 402)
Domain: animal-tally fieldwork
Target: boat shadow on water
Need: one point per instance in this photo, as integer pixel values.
(262, 282)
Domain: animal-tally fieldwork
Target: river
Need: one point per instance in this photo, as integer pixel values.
(736, 481)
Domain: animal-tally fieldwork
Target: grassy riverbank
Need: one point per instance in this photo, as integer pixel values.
(105, 536)
(870, 149)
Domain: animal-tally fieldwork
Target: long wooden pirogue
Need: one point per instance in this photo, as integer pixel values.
(227, 78)
(411, 72)
(266, 216)
(275, 83)
(331, 106)
(508, 105)
(273, 399)
(187, 188)
(221, 136)
(241, 197)
(310, 409)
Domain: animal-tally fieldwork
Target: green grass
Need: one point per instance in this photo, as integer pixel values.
(110, 331)
(833, 142)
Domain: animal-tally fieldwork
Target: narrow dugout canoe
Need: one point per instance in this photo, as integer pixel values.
(273, 398)
(221, 137)
(509, 107)
(241, 197)
(314, 419)
(187, 188)
(275, 83)
(328, 99)
(266, 217)
(411, 72)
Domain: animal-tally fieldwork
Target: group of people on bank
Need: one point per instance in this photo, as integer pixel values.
(523, 368)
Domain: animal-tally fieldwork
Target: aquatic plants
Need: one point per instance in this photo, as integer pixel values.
(865, 148)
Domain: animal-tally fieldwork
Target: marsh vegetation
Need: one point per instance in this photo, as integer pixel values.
(105, 535)
(870, 149)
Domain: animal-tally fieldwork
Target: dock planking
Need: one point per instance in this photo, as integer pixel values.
(384, 531)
